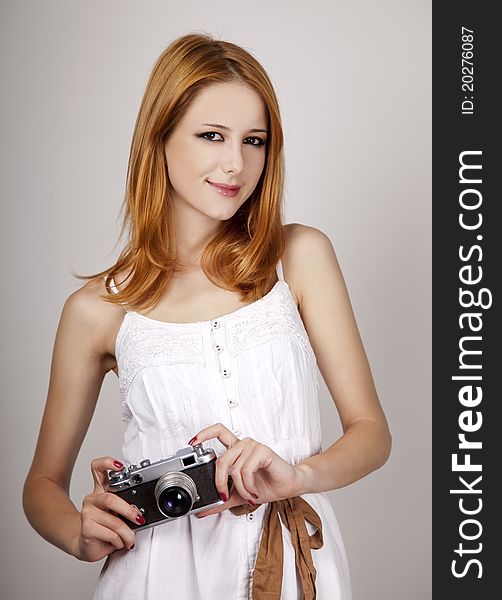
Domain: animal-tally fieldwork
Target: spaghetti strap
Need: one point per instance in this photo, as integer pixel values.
(280, 274)
(114, 290)
(113, 287)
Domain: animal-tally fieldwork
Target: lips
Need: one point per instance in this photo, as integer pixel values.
(229, 191)
(225, 186)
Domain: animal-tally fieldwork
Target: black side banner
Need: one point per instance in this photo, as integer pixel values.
(467, 241)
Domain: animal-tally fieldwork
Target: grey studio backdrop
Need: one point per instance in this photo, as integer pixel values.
(354, 86)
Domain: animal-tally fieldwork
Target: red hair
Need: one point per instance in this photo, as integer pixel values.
(244, 253)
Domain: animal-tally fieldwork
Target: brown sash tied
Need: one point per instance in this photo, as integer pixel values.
(267, 574)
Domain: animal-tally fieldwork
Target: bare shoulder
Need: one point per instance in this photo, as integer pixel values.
(85, 310)
(309, 255)
(299, 235)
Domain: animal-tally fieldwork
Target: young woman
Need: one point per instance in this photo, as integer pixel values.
(216, 318)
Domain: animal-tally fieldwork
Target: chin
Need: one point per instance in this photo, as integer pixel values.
(223, 215)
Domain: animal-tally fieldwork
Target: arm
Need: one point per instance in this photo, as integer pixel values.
(329, 320)
(79, 364)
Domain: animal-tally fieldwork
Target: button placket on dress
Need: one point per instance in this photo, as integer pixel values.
(223, 358)
(249, 526)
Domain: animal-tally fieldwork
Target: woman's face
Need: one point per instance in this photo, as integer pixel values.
(220, 139)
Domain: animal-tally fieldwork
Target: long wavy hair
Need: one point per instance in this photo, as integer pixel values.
(243, 255)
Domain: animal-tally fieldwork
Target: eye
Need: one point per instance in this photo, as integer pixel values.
(203, 135)
(257, 140)
(260, 141)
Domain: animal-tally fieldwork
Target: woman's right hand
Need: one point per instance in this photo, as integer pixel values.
(101, 531)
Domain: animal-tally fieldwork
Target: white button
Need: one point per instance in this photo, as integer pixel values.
(225, 373)
(250, 516)
(215, 324)
(218, 348)
(232, 402)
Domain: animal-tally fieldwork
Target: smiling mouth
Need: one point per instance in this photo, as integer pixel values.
(225, 186)
(230, 192)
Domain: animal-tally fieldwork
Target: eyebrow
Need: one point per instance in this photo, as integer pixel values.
(218, 126)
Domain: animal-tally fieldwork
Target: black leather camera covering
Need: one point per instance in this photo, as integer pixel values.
(144, 496)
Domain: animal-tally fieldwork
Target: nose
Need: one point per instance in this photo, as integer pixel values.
(233, 160)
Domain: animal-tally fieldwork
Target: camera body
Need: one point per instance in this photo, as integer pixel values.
(177, 486)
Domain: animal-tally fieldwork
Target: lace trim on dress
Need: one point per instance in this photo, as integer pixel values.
(273, 319)
(143, 342)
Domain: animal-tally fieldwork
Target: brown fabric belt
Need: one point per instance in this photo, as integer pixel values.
(267, 574)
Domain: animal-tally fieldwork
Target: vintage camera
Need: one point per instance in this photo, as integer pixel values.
(181, 484)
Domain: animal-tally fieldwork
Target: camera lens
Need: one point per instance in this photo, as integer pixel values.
(174, 502)
(175, 494)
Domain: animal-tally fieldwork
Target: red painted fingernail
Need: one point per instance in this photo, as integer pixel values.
(223, 496)
(141, 519)
(132, 547)
(194, 439)
(118, 464)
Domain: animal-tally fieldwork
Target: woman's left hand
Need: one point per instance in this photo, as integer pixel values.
(259, 474)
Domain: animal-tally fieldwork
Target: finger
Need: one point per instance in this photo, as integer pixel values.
(233, 500)
(92, 513)
(110, 501)
(112, 521)
(243, 475)
(117, 526)
(96, 531)
(99, 467)
(247, 467)
(222, 466)
(219, 431)
(213, 511)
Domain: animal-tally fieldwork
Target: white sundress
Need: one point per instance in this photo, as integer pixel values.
(253, 370)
